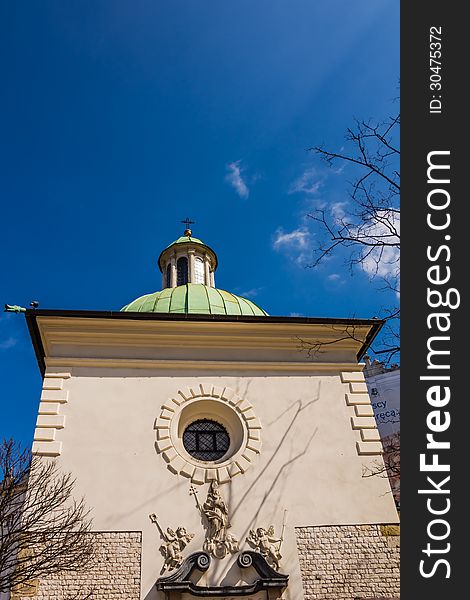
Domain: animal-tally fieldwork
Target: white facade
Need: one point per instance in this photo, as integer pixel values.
(116, 395)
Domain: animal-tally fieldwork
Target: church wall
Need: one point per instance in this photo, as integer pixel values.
(349, 561)
(308, 463)
(114, 573)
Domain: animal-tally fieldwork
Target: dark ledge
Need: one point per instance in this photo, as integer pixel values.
(180, 581)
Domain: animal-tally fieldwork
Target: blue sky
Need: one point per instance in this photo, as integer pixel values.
(119, 119)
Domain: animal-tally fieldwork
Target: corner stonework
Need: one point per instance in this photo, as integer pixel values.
(49, 419)
(363, 418)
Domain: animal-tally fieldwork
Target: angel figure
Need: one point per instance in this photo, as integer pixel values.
(174, 544)
(264, 542)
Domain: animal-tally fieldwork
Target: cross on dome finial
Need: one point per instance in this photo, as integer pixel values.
(188, 222)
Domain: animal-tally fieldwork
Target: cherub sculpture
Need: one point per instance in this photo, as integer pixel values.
(263, 541)
(174, 544)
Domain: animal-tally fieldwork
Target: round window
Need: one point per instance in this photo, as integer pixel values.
(206, 440)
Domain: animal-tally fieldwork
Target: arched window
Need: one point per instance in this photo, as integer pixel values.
(182, 271)
(168, 275)
(198, 270)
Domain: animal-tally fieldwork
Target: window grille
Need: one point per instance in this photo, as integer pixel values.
(206, 440)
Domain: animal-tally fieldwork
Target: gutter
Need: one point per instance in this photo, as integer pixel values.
(36, 340)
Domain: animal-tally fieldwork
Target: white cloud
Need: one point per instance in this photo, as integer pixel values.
(234, 177)
(335, 279)
(251, 293)
(308, 183)
(339, 170)
(383, 261)
(337, 210)
(297, 239)
(296, 243)
(8, 343)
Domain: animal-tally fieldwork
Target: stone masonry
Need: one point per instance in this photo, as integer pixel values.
(114, 573)
(347, 562)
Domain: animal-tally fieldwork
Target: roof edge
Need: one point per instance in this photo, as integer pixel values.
(31, 314)
(117, 314)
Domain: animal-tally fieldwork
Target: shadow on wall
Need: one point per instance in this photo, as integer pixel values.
(297, 408)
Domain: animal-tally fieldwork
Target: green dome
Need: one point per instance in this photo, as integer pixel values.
(186, 238)
(194, 298)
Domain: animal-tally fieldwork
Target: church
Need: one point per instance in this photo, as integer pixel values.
(219, 457)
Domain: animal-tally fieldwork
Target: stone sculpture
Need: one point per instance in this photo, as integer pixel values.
(174, 544)
(263, 541)
(218, 541)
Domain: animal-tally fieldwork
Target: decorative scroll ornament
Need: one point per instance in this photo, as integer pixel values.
(218, 541)
(175, 543)
(182, 580)
(263, 541)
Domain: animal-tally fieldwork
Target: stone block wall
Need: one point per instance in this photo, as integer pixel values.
(114, 573)
(347, 562)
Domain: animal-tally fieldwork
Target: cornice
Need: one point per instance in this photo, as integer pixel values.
(203, 334)
(226, 365)
(55, 334)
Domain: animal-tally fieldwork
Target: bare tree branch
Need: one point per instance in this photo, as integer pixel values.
(43, 529)
(314, 347)
(390, 467)
(369, 228)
